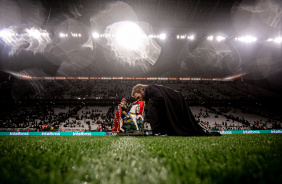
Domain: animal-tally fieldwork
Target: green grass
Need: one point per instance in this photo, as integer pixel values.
(111, 159)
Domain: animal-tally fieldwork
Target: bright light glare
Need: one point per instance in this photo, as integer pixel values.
(130, 36)
(7, 35)
(220, 38)
(191, 37)
(247, 39)
(278, 40)
(33, 33)
(75, 34)
(95, 35)
(62, 35)
(210, 38)
(38, 34)
(162, 36)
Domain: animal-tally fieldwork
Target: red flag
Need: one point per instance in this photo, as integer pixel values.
(117, 120)
(142, 106)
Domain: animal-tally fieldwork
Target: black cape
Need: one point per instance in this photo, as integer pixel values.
(179, 116)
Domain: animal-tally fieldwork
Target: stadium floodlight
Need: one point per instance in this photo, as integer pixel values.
(275, 40)
(8, 35)
(220, 38)
(246, 39)
(210, 38)
(38, 34)
(130, 43)
(162, 36)
(95, 35)
(107, 35)
(75, 34)
(191, 37)
(278, 40)
(62, 35)
(130, 36)
(33, 33)
(181, 37)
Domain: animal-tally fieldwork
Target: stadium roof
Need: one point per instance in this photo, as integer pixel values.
(54, 38)
(199, 14)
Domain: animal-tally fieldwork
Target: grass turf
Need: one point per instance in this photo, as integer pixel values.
(110, 159)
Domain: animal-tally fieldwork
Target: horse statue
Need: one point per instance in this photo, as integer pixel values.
(129, 119)
(134, 116)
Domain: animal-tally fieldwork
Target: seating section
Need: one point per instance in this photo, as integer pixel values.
(72, 105)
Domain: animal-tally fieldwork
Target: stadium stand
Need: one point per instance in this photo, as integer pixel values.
(88, 105)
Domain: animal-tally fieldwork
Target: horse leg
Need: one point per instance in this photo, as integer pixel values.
(134, 120)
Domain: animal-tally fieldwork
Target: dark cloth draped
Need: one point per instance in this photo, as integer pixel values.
(170, 114)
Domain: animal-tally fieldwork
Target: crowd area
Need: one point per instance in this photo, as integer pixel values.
(78, 105)
(77, 89)
(57, 118)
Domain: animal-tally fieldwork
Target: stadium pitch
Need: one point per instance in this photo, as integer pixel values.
(254, 158)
